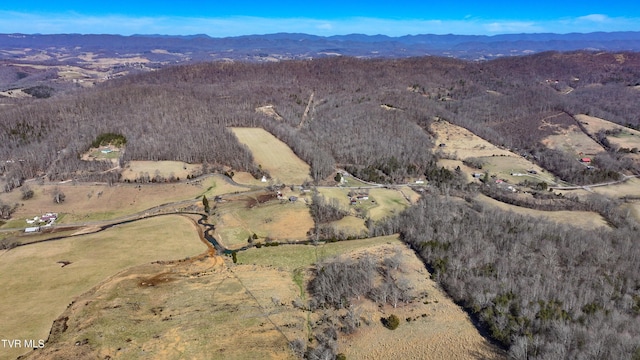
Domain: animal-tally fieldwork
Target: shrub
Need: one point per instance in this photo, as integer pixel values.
(40, 91)
(473, 162)
(392, 322)
(27, 193)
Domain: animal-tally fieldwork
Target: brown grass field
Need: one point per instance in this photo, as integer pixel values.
(635, 209)
(503, 167)
(84, 203)
(245, 178)
(388, 202)
(439, 329)
(350, 225)
(574, 142)
(274, 156)
(203, 309)
(244, 216)
(583, 219)
(628, 138)
(445, 331)
(179, 169)
(631, 188)
(198, 310)
(462, 142)
(500, 162)
(41, 288)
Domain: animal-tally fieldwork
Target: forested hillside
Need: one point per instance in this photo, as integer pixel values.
(370, 116)
(543, 290)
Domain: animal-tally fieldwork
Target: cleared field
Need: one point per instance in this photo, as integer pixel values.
(165, 169)
(409, 194)
(351, 182)
(237, 220)
(627, 138)
(192, 311)
(101, 202)
(388, 202)
(583, 219)
(503, 167)
(574, 142)
(630, 187)
(274, 156)
(291, 257)
(40, 288)
(466, 170)
(245, 178)
(439, 329)
(635, 209)
(338, 193)
(350, 225)
(381, 203)
(462, 142)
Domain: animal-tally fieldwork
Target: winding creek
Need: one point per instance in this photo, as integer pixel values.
(207, 230)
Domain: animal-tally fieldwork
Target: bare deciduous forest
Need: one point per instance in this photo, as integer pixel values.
(542, 290)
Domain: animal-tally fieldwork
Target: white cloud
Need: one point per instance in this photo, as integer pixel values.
(513, 27)
(325, 26)
(600, 18)
(11, 22)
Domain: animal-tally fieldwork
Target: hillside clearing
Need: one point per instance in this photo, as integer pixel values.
(439, 329)
(166, 169)
(273, 155)
(582, 219)
(462, 143)
(573, 141)
(626, 137)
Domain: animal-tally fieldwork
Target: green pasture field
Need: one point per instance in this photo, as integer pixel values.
(382, 202)
(279, 220)
(387, 202)
(291, 257)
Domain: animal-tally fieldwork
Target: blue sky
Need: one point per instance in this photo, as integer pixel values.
(394, 18)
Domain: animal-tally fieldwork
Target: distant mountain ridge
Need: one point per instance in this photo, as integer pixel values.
(281, 46)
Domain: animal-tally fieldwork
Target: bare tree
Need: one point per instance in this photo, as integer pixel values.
(58, 195)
